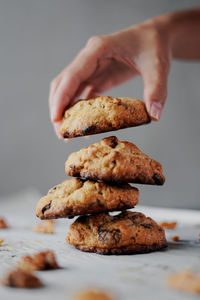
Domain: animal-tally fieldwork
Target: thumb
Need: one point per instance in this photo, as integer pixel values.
(155, 88)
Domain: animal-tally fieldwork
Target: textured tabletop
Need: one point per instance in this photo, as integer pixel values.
(126, 277)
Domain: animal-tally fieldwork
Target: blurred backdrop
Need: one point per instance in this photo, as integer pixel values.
(38, 39)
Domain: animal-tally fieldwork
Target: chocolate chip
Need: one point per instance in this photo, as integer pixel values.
(145, 225)
(104, 235)
(48, 206)
(89, 129)
(157, 179)
(113, 142)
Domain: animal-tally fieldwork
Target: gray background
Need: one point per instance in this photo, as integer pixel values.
(38, 39)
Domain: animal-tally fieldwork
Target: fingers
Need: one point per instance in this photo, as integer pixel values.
(65, 87)
(155, 73)
(113, 75)
(56, 129)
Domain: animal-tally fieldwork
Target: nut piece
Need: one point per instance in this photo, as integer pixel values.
(22, 279)
(44, 260)
(168, 225)
(3, 223)
(175, 238)
(92, 294)
(187, 281)
(47, 226)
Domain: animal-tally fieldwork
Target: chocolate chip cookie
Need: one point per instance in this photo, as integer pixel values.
(102, 114)
(78, 197)
(113, 161)
(126, 233)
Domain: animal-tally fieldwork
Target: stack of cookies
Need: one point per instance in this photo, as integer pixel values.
(102, 173)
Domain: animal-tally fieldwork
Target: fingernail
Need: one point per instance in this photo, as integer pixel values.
(156, 110)
(53, 113)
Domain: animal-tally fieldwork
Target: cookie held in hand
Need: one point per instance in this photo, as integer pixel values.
(102, 114)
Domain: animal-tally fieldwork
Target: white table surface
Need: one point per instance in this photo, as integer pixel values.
(126, 277)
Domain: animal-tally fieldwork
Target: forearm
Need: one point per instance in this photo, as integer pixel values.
(183, 30)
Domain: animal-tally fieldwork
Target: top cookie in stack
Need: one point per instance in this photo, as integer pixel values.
(104, 171)
(102, 114)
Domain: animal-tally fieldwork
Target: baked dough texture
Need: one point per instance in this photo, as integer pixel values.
(111, 160)
(125, 233)
(78, 197)
(102, 114)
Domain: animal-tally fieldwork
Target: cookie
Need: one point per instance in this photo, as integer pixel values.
(126, 233)
(102, 114)
(44, 260)
(113, 161)
(78, 197)
(22, 279)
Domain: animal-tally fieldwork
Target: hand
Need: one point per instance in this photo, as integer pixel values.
(109, 60)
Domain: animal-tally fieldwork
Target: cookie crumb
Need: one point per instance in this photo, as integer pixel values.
(92, 294)
(22, 279)
(168, 225)
(187, 281)
(1, 241)
(47, 226)
(3, 224)
(44, 260)
(175, 238)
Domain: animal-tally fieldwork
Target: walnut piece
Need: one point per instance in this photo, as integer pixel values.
(47, 226)
(168, 225)
(22, 279)
(3, 224)
(44, 260)
(92, 294)
(175, 238)
(187, 281)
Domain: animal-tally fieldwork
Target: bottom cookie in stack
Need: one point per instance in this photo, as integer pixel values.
(126, 233)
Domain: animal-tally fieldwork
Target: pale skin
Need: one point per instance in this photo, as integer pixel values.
(145, 49)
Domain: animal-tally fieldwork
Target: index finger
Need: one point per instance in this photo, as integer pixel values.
(83, 66)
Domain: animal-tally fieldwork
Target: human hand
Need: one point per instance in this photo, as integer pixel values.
(109, 60)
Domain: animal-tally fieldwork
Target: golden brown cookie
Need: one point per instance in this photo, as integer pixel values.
(78, 197)
(125, 233)
(22, 279)
(44, 260)
(102, 114)
(114, 161)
